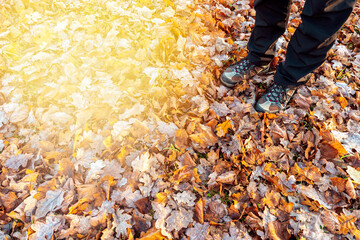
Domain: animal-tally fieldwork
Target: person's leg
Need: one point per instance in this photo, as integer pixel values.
(307, 50)
(308, 47)
(270, 23)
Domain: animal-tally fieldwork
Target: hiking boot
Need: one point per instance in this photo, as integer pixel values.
(275, 99)
(241, 70)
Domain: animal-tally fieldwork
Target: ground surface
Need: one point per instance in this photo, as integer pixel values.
(114, 126)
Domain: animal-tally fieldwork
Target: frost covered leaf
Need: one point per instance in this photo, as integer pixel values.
(198, 232)
(96, 169)
(20, 113)
(15, 161)
(143, 162)
(50, 203)
(46, 230)
(354, 174)
(179, 219)
(121, 221)
(186, 198)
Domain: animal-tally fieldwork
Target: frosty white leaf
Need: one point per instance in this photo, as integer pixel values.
(121, 128)
(61, 118)
(30, 203)
(161, 213)
(135, 110)
(15, 161)
(153, 73)
(179, 219)
(198, 232)
(20, 113)
(96, 169)
(236, 234)
(45, 231)
(131, 196)
(121, 222)
(185, 76)
(148, 184)
(50, 203)
(167, 128)
(354, 174)
(201, 102)
(220, 109)
(3, 119)
(113, 168)
(186, 198)
(143, 162)
(1, 145)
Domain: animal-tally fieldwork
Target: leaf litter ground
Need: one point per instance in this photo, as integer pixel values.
(114, 125)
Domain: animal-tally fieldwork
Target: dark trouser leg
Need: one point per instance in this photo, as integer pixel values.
(308, 47)
(270, 23)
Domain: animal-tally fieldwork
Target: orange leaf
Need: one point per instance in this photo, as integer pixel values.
(223, 128)
(341, 150)
(153, 234)
(343, 102)
(199, 211)
(347, 223)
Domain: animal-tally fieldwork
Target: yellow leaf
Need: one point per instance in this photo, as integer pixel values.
(162, 196)
(223, 128)
(107, 141)
(196, 176)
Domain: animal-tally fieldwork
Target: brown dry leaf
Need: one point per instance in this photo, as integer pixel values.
(271, 199)
(308, 149)
(8, 200)
(223, 128)
(349, 189)
(330, 221)
(182, 175)
(227, 178)
(144, 205)
(340, 149)
(312, 173)
(278, 230)
(199, 211)
(42, 189)
(79, 206)
(66, 167)
(275, 152)
(327, 151)
(314, 205)
(339, 183)
(215, 212)
(204, 138)
(181, 139)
